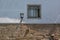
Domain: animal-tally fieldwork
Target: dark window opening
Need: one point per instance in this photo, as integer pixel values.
(33, 11)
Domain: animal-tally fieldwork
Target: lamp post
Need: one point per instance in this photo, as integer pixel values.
(21, 18)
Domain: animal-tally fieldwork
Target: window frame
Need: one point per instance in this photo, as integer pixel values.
(39, 14)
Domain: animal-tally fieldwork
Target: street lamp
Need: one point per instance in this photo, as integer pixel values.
(21, 17)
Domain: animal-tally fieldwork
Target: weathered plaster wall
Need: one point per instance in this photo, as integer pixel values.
(50, 10)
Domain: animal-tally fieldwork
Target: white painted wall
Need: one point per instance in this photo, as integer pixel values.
(50, 10)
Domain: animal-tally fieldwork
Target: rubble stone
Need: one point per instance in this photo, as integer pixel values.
(36, 31)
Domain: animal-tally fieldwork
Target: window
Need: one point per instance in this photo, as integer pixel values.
(33, 11)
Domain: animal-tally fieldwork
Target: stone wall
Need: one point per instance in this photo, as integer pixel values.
(29, 31)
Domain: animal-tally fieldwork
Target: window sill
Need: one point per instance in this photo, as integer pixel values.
(34, 17)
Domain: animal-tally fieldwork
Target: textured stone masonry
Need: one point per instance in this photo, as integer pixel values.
(29, 31)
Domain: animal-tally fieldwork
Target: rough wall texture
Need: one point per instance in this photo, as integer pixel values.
(29, 31)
